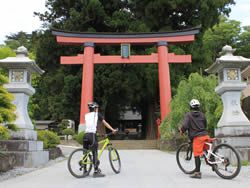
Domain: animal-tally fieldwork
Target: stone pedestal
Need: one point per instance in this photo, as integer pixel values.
(27, 153)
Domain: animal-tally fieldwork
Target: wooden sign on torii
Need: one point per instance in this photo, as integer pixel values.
(89, 58)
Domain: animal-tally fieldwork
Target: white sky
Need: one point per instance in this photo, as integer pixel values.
(17, 15)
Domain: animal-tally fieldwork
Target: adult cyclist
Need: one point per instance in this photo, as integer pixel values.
(90, 138)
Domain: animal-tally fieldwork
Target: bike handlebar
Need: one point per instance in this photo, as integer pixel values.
(109, 134)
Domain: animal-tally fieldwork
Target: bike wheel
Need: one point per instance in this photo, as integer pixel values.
(80, 163)
(227, 161)
(114, 160)
(185, 159)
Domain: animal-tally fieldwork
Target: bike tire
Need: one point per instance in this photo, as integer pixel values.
(114, 160)
(185, 159)
(80, 163)
(231, 165)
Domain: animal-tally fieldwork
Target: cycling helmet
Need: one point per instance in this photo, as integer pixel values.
(92, 106)
(194, 104)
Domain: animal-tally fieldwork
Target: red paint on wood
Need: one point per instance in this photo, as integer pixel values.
(164, 81)
(87, 81)
(152, 40)
(135, 59)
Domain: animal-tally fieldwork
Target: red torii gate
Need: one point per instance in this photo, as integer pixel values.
(89, 58)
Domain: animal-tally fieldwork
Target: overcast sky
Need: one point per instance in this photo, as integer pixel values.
(17, 15)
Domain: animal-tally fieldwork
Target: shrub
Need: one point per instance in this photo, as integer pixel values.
(4, 133)
(49, 138)
(79, 137)
(12, 127)
(62, 126)
(68, 132)
(201, 88)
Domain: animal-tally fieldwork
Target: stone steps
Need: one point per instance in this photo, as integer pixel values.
(135, 144)
(123, 144)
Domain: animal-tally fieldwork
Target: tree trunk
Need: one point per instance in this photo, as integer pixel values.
(150, 119)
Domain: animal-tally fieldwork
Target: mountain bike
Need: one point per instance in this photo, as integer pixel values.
(223, 158)
(80, 161)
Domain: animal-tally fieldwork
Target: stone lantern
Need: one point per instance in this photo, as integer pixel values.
(20, 69)
(233, 126)
(24, 144)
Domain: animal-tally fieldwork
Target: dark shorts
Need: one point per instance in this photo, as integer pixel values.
(90, 141)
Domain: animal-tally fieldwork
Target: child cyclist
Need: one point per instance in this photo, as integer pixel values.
(90, 138)
(195, 124)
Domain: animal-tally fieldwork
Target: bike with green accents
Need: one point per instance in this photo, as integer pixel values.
(80, 161)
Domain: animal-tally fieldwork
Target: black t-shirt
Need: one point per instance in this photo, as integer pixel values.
(195, 123)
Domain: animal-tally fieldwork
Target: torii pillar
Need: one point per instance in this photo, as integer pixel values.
(87, 79)
(164, 79)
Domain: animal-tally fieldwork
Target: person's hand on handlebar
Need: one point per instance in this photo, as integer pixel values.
(180, 130)
(114, 131)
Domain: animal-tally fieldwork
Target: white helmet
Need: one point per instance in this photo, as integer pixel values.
(194, 103)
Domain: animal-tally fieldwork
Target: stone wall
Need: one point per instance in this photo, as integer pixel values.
(7, 162)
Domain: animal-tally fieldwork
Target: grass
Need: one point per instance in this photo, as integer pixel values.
(244, 163)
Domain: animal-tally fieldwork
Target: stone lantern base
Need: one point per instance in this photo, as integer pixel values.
(238, 137)
(27, 153)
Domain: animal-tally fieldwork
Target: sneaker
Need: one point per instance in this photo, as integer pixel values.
(196, 175)
(98, 174)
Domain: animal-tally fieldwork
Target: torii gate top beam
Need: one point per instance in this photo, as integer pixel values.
(76, 38)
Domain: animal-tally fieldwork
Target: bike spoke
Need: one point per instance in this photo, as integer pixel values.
(185, 159)
(114, 160)
(79, 165)
(227, 161)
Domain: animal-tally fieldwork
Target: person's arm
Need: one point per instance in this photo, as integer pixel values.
(106, 124)
(185, 124)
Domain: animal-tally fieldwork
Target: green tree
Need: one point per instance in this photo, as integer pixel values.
(7, 109)
(201, 88)
(6, 52)
(243, 44)
(226, 32)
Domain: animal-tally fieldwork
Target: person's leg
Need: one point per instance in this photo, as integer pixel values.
(197, 164)
(198, 151)
(97, 171)
(86, 143)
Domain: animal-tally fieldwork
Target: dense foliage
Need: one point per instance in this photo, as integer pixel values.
(79, 137)
(7, 109)
(4, 133)
(201, 88)
(67, 132)
(49, 138)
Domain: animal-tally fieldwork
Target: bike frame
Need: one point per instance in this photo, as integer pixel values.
(210, 152)
(105, 143)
